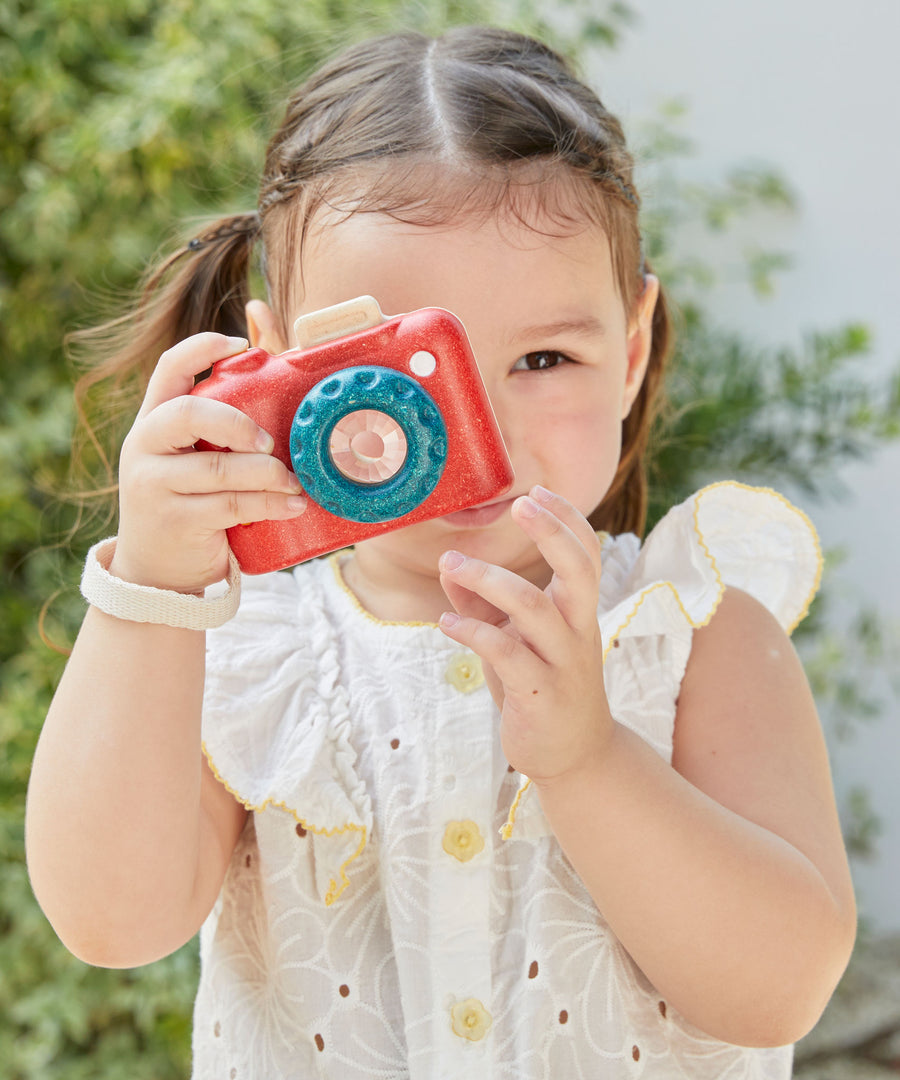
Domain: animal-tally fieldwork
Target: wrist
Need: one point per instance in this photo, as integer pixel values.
(590, 759)
(134, 602)
(123, 569)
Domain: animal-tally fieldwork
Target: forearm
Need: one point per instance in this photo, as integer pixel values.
(113, 824)
(733, 925)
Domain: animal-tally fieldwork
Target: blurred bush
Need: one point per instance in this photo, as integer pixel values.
(123, 119)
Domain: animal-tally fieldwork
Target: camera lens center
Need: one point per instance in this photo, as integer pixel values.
(367, 446)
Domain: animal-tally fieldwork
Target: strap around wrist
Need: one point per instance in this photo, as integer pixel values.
(145, 604)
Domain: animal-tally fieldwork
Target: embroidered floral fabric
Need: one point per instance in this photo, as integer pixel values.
(397, 905)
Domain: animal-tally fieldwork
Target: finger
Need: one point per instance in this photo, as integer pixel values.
(515, 664)
(225, 509)
(574, 586)
(177, 367)
(573, 518)
(531, 612)
(214, 471)
(180, 422)
(470, 604)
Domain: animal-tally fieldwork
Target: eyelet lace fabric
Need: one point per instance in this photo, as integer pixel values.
(397, 905)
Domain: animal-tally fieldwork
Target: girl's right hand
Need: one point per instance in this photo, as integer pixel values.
(175, 502)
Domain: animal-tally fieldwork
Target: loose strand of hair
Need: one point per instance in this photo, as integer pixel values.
(199, 287)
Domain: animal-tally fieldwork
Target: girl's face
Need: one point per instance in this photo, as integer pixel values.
(560, 358)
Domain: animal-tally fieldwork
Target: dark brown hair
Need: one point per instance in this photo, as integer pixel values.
(424, 129)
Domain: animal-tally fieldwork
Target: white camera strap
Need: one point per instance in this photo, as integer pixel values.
(145, 604)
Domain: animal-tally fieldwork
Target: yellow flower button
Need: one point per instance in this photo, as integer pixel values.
(463, 840)
(470, 1020)
(464, 672)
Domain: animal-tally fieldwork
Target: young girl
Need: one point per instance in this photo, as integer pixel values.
(504, 794)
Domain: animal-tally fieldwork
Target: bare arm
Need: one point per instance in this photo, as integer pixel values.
(128, 834)
(725, 876)
(731, 889)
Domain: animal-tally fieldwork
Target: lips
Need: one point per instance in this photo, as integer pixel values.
(479, 516)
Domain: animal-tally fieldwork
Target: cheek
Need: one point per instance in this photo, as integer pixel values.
(573, 429)
(581, 448)
(595, 443)
(591, 422)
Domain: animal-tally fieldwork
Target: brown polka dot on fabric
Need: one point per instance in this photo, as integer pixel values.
(616, 643)
(395, 743)
(233, 1074)
(564, 1017)
(510, 768)
(320, 1043)
(635, 1053)
(344, 990)
(662, 1008)
(533, 970)
(300, 830)
(217, 1030)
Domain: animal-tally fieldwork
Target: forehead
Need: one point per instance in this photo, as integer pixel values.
(524, 258)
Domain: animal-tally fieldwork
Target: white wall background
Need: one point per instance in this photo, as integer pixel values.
(811, 87)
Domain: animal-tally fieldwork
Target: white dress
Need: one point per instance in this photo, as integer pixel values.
(397, 905)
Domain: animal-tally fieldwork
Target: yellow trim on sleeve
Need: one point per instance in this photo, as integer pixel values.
(820, 561)
(643, 596)
(715, 569)
(334, 889)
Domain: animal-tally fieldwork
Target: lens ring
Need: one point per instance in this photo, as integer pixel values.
(405, 405)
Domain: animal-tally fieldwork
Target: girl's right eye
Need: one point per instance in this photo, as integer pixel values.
(540, 361)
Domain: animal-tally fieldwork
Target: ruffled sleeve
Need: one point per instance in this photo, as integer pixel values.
(730, 534)
(653, 597)
(276, 721)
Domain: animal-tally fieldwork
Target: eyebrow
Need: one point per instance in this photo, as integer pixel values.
(589, 326)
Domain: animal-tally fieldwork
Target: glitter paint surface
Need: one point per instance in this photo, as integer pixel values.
(386, 392)
(272, 389)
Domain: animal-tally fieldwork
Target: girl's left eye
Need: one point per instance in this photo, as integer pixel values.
(540, 361)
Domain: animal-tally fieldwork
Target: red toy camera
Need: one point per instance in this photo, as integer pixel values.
(385, 422)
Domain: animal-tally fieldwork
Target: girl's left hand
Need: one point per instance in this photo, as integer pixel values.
(541, 649)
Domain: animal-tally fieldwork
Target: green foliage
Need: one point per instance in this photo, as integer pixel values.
(784, 417)
(121, 121)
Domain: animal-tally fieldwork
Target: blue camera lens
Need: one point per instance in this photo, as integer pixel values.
(368, 444)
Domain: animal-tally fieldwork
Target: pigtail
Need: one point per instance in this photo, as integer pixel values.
(200, 287)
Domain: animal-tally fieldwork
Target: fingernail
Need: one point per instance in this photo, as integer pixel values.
(265, 444)
(294, 484)
(238, 344)
(296, 502)
(448, 620)
(451, 560)
(528, 508)
(541, 493)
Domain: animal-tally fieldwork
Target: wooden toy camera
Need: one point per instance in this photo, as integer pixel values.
(385, 422)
